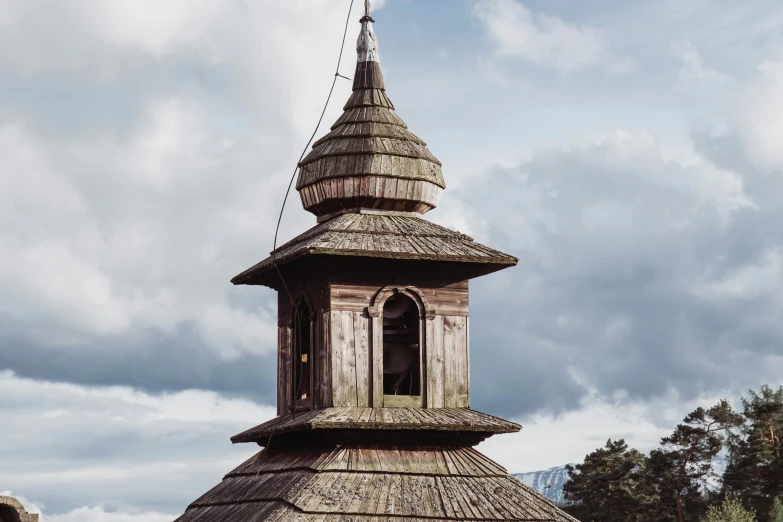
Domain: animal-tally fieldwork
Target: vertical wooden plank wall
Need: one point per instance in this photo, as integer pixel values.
(377, 362)
(456, 365)
(435, 363)
(323, 355)
(284, 376)
(361, 332)
(350, 342)
(343, 359)
(280, 372)
(352, 349)
(467, 355)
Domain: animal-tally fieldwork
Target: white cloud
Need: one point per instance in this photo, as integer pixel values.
(762, 117)
(612, 235)
(549, 440)
(158, 28)
(616, 188)
(763, 278)
(30, 507)
(546, 41)
(131, 225)
(100, 514)
(117, 447)
(132, 222)
(105, 262)
(145, 152)
(125, 456)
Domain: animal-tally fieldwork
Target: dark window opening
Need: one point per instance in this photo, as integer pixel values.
(302, 352)
(401, 348)
(8, 515)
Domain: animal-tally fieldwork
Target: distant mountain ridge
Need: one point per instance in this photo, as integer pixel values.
(550, 482)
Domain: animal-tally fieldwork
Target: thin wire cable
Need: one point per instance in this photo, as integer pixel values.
(291, 182)
(296, 169)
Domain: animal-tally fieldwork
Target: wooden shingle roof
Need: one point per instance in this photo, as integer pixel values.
(369, 159)
(364, 483)
(385, 419)
(367, 181)
(381, 236)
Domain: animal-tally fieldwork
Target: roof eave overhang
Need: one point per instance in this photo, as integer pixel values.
(265, 272)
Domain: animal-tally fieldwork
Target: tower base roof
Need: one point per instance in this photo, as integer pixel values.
(372, 484)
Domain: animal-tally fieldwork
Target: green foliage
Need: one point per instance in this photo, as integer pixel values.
(660, 473)
(608, 486)
(776, 513)
(615, 483)
(683, 465)
(755, 469)
(730, 511)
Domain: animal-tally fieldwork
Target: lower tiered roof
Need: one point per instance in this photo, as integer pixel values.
(366, 483)
(432, 423)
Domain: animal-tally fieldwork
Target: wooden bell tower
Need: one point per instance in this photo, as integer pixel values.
(373, 373)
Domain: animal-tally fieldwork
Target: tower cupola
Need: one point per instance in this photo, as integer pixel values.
(373, 345)
(369, 160)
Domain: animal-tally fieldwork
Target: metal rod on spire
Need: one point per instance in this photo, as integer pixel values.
(367, 10)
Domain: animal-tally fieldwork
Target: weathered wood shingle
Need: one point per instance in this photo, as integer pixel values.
(381, 236)
(368, 150)
(366, 181)
(372, 483)
(387, 419)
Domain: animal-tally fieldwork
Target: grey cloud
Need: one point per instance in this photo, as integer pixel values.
(71, 446)
(617, 302)
(607, 305)
(149, 361)
(143, 167)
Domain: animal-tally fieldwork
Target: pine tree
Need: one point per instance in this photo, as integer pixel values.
(776, 513)
(683, 465)
(731, 510)
(755, 469)
(660, 473)
(608, 486)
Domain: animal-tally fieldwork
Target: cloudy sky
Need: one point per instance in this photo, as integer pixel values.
(628, 152)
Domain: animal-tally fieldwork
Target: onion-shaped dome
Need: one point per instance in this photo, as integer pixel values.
(369, 160)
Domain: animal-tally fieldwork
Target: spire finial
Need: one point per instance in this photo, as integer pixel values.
(367, 9)
(367, 46)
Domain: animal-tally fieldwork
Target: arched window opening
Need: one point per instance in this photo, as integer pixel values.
(302, 353)
(8, 514)
(401, 346)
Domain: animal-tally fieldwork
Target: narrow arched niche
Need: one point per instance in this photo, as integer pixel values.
(401, 347)
(302, 357)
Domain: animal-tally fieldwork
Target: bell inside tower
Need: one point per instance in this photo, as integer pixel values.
(401, 347)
